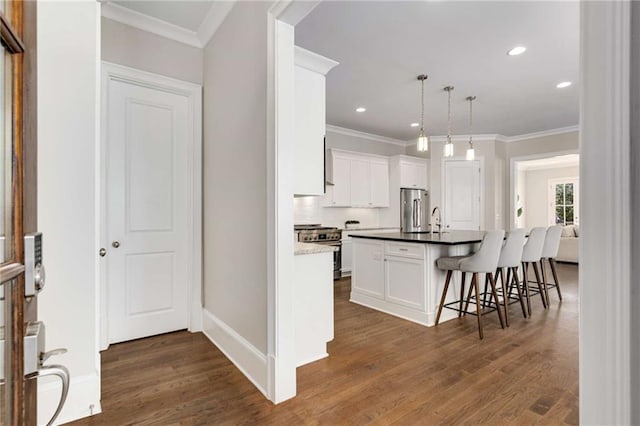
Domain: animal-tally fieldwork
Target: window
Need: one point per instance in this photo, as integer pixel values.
(563, 195)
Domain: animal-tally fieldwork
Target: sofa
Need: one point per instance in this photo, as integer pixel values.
(568, 251)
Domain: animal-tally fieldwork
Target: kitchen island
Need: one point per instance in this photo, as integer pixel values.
(396, 272)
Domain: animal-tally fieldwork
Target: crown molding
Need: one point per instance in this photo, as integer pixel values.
(312, 61)
(363, 135)
(489, 137)
(214, 19)
(147, 23)
(542, 134)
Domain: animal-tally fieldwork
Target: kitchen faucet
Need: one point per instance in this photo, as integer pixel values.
(439, 221)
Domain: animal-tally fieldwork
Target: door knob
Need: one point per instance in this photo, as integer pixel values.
(103, 252)
(115, 244)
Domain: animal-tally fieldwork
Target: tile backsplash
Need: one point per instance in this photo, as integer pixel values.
(308, 210)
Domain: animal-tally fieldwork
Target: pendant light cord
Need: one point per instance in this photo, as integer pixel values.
(422, 110)
(471, 98)
(449, 116)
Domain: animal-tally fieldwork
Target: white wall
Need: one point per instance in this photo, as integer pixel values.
(537, 193)
(521, 191)
(68, 69)
(235, 186)
(132, 47)
(635, 206)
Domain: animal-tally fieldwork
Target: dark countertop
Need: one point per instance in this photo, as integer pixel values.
(447, 238)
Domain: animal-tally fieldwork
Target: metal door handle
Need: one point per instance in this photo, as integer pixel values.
(115, 244)
(103, 252)
(61, 372)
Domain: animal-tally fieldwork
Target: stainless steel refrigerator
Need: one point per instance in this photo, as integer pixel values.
(414, 210)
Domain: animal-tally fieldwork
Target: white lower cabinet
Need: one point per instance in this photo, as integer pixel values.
(346, 253)
(368, 258)
(404, 281)
(396, 280)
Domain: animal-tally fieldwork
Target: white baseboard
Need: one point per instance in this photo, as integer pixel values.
(83, 399)
(237, 349)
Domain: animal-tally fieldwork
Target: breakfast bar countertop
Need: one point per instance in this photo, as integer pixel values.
(446, 238)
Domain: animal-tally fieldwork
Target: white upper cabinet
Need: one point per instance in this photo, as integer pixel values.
(413, 174)
(310, 122)
(358, 180)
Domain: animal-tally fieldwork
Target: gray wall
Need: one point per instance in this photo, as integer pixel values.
(536, 205)
(125, 45)
(353, 143)
(635, 206)
(235, 173)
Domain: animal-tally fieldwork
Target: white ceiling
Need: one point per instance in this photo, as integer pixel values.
(571, 160)
(187, 14)
(383, 46)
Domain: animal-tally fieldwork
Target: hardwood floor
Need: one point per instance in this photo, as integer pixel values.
(381, 370)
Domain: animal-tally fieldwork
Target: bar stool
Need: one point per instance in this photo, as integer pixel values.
(510, 257)
(549, 253)
(485, 260)
(531, 255)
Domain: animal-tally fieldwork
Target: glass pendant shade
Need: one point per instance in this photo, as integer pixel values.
(423, 142)
(448, 149)
(471, 154)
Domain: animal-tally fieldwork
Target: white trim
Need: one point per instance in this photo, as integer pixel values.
(237, 349)
(213, 20)
(535, 135)
(362, 135)
(463, 138)
(193, 92)
(281, 354)
(605, 287)
(150, 24)
(513, 180)
(83, 399)
(443, 161)
(312, 61)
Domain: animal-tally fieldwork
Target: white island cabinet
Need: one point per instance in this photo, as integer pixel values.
(313, 301)
(396, 272)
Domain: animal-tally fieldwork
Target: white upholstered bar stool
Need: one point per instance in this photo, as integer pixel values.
(549, 253)
(531, 255)
(510, 258)
(485, 260)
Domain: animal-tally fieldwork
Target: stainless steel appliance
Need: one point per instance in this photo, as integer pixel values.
(414, 210)
(319, 234)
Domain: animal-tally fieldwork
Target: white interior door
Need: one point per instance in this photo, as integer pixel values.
(462, 194)
(147, 213)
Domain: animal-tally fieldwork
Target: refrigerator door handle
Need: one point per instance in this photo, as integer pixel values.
(416, 213)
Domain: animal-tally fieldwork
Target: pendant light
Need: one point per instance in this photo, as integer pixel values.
(448, 146)
(423, 140)
(471, 153)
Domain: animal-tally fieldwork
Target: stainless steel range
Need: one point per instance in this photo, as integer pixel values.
(319, 234)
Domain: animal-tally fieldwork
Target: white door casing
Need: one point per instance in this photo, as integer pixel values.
(462, 194)
(151, 146)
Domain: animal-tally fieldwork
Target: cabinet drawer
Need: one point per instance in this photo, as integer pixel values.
(415, 251)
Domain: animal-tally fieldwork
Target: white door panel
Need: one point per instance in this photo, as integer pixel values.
(146, 211)
(462, 194)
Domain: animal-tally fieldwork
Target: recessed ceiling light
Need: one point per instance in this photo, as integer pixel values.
(518, 50)
(361, 109)
(415, 124)
(563, 84)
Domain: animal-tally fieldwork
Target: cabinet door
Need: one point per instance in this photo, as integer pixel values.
(413, 175)
(379, 183)
(368, 268)
(341, 189)
(360, 184)
(405, 282)
(347, 256)
(309, 132)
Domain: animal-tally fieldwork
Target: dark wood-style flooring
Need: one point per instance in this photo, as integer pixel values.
(381, 370)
